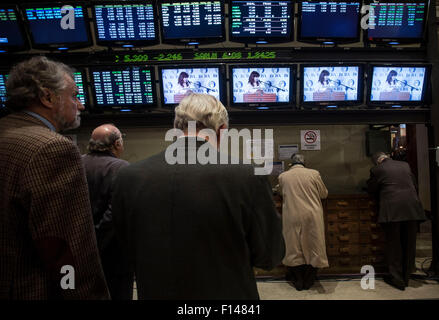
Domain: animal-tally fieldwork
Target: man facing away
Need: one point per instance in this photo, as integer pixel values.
(101, 166)
(47, 242)
(303, 224)
(196, 231)
(399, 212)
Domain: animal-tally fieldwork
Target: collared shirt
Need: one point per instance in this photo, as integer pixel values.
(42, 119)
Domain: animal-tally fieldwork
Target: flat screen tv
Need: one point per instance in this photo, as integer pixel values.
(123, 88)
(12, 35)
(192, 22)
(331, 84)
(329, 22)
(261, 21)
(178, 81)
(125, 23)
(3, 79)
(262, 86)
(57, 25)
(398, 84)
(397, 22)
(80, 80)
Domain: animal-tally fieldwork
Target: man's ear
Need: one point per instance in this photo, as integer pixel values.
(47, 98)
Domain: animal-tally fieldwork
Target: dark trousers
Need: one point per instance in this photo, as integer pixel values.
(302, 277)
(400, 249)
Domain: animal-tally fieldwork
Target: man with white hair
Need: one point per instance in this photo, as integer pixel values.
(399, 212)
(46, 226)
(195, 231)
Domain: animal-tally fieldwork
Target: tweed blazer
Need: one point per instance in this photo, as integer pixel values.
(45, 215)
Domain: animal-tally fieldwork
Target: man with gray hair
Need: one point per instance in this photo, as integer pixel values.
(399, 212)
(303, 225)
(102, 164)
(47, 243)
(195, 231)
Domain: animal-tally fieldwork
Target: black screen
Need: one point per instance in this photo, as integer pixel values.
(125, 22)
(192, 20)
(10, 33)
(129, 86)
(49, 25)
(3, 78)
(261, 19)
(322, 19)
(397, 20)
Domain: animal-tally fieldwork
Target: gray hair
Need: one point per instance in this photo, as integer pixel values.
(105, 144)
(205, 109)
(298, 159)
(28, 79)
(378, 156)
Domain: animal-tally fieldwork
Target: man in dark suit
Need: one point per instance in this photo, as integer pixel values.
(399, 212)
(47, 242)
(101, 166)
(192, 230)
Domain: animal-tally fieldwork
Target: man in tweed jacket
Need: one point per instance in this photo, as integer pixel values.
(45, 213)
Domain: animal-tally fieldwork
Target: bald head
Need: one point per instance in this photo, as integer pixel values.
(106, 138)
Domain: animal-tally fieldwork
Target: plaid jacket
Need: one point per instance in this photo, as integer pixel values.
(45, 216)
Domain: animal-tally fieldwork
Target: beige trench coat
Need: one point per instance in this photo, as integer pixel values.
(302, 214)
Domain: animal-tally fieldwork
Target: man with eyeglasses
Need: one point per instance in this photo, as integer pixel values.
(102, 164)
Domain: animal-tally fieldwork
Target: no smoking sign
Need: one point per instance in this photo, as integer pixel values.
(310, 139)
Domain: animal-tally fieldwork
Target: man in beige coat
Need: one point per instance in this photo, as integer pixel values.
(303, 226)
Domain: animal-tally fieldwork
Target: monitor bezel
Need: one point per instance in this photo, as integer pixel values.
(193, 40)
(21, 27)
(332, 40)
(398, 102)
(391, 41)
(55, 46)
(265, 105)
(360, 90)
(115, 107)
(222, 80)
(266, 39)
(122, 43)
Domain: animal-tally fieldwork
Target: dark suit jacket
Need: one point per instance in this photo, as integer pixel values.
(101, 169)
(195, 231)
(395, 185)
(45, 215)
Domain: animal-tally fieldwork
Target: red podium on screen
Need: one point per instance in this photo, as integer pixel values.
(260, 97)
(328, 96)
(395, 96)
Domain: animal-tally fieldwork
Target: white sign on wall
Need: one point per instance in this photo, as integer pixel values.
(310, 139)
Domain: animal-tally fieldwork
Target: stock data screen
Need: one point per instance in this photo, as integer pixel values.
(330, 19)
(79, 80)
(49, 25)
(397, 20)
(261, 18)
(10, 34)
(3, 78)
(122, 22)
(197, 19)
(128, 86)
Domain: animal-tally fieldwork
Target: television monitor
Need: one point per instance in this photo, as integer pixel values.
(79, 77)
(126, 24)
(179, 81)
(192, 22)
(329, 22)
(261, 21)
(397, 84)
(12, 36)
(395, 22)
(331, 84)
(57, 25)
(262, 86)
(124, 88)
(3, 79)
